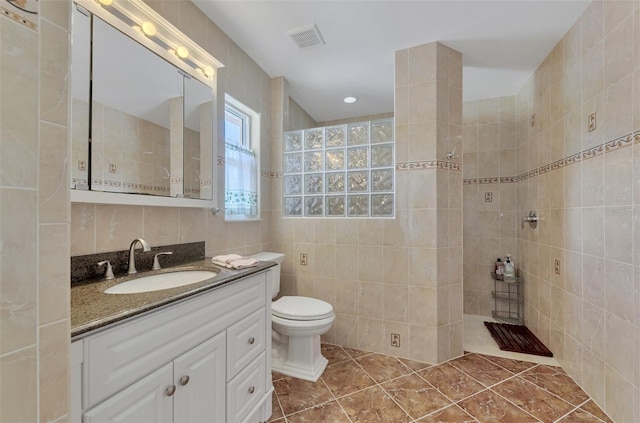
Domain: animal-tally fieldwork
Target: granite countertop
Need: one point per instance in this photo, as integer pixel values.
(92, 309)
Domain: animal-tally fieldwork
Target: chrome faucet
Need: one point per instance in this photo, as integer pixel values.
(132, 250)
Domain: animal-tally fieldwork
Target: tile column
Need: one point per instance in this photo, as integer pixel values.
(428, 113)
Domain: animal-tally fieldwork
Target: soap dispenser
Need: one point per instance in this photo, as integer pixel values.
(509, 269)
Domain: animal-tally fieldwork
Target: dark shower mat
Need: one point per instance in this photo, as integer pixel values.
(517, 338)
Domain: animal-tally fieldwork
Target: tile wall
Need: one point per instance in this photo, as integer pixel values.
(34, 213)
(388, 276)
(298, 118)
(139, 149)
(584, 184)
(490, 194)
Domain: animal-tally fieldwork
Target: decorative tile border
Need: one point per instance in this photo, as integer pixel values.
(429, 164)
(132, 185)
(271, 174)
(607, 147)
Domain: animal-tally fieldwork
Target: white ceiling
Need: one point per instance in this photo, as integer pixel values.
(502, 43)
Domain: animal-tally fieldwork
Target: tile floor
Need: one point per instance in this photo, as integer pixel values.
(360, 386)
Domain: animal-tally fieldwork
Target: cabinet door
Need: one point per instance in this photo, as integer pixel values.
(147, 400)
(199, 375)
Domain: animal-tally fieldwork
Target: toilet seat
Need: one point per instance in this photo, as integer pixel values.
(301, 308)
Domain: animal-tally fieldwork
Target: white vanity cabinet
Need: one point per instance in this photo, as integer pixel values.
(204, 359)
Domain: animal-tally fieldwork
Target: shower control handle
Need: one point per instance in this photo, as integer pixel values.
(532, 219)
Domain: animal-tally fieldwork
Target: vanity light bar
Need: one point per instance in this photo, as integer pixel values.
(157, 30)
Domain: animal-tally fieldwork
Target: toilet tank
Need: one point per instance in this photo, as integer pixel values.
(275, 257)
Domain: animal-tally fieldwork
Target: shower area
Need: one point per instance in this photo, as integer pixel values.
(490, 194)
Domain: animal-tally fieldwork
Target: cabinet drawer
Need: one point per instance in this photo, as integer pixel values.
(246, 389)
(118, 357)
(245, 340)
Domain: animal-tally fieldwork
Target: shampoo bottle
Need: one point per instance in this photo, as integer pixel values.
(509, 270)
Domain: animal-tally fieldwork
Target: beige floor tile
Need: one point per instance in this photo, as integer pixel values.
(334, 353)
(515, 366)
(556, 381)
(450, 381)
(592, 408)
(415, 365)
(346, 378)
(452, 414)
(480, 369)
(276, 410)
(533, 399)
(415, 396)
(328, 412)
(373, 405)
(354, 353)
(383, 367)
(296, 394)
(487, 406)
(579, 416)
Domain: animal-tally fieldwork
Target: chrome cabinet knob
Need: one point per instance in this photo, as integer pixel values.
(252, 389)
(184, 380)
(252, 340)
(171, 390)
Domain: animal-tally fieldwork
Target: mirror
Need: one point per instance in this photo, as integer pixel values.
(136, 119)
(150, 125)
(198, 133)
(80, 113)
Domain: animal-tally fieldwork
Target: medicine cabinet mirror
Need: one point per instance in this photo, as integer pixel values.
(140, 125)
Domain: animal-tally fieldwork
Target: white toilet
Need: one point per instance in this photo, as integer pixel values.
(297, 323)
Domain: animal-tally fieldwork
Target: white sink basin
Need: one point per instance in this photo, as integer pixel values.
(161, 281)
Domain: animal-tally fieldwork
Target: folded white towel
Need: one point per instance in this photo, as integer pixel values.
(227, 258)
(240, 263)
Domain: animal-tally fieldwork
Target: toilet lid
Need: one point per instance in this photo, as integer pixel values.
(301, 308)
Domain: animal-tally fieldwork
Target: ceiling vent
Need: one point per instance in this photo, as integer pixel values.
(306, 36)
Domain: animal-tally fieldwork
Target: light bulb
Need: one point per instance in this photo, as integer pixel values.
(350, 100)
(208, 71)
(106, 2)
(149, 28)
(182, 52)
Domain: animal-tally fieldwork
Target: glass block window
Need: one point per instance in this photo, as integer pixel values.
(340, 171)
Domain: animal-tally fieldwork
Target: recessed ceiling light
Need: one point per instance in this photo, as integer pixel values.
(350, 100)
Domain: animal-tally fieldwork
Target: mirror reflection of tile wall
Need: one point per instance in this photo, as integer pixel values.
(191, 148)
(128, 154)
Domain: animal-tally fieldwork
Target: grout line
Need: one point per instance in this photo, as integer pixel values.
(567, 414)
(515, 405)
(579, 407)
(490, 386)
(377, 384)
(279, 404)
(553, 394)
